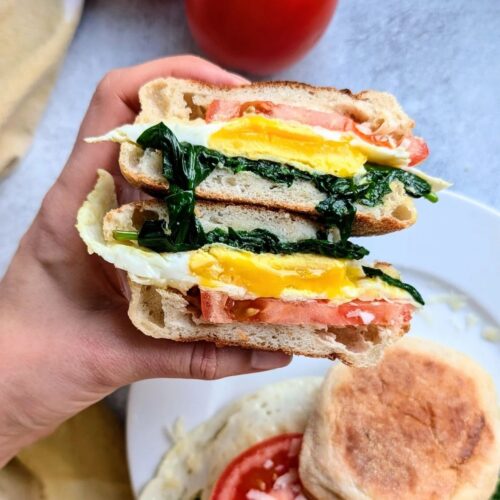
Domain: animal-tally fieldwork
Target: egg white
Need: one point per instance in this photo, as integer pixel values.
(197, 459)
(151, 267)
(196, 132)
(436, 183)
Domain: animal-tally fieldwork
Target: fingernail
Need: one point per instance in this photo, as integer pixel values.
(266, 360)
(240, 78)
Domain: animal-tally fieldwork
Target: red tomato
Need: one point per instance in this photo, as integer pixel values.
(259, 36)
(221, 110)
(417, 148)
(268, 467)
(217, 307)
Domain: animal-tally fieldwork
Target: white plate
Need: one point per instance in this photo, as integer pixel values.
(453, 249)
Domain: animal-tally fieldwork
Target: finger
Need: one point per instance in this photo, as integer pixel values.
(115, 102)
(129, 356)
(186, 66)
(121, 87)
(200, 360)
(203, 360)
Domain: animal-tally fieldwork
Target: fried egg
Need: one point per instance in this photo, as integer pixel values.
(257, 137)
(309, 148)
(197, 459)
(238, 273)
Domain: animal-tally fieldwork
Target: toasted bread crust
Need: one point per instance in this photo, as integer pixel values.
(220, 341)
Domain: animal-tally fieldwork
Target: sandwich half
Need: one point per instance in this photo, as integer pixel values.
(248, 276)
(345, 158)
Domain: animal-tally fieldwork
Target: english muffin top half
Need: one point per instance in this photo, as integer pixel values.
(422, 424)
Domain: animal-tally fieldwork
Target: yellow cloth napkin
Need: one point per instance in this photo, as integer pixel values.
(83, 459)
(34, 35)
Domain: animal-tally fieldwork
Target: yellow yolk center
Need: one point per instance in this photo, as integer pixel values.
(269, 275)
(257, 137)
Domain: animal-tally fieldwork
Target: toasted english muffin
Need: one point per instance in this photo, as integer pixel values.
(423, 423)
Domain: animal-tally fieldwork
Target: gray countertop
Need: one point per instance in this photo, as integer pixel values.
(439, 57)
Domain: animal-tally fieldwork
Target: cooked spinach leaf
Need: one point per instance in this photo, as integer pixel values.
(338, 250)
(339, 212)
(181, 165)
(372, 272)
(184, 232)
(345, 187)
(183, 226)
(119, 235)
(263, 241)
(187, 166)
(378, 179)
(153, 235)
(256, 241)
(156, 236)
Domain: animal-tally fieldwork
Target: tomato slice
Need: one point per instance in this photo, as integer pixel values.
(417, 148)
(223, 110)
(217, 307)
(269, 467)
(220, 110)
(214, 307)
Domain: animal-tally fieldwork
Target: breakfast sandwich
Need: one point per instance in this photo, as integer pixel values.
(257, 191)
(422, 424)
(346, 158)
(246, 275)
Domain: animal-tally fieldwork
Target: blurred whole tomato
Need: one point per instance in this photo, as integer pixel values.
(258, 36)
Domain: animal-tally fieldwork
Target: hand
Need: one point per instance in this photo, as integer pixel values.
(65, 337)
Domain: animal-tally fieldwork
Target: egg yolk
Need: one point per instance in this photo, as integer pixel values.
(257, 137)
(269, 275)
